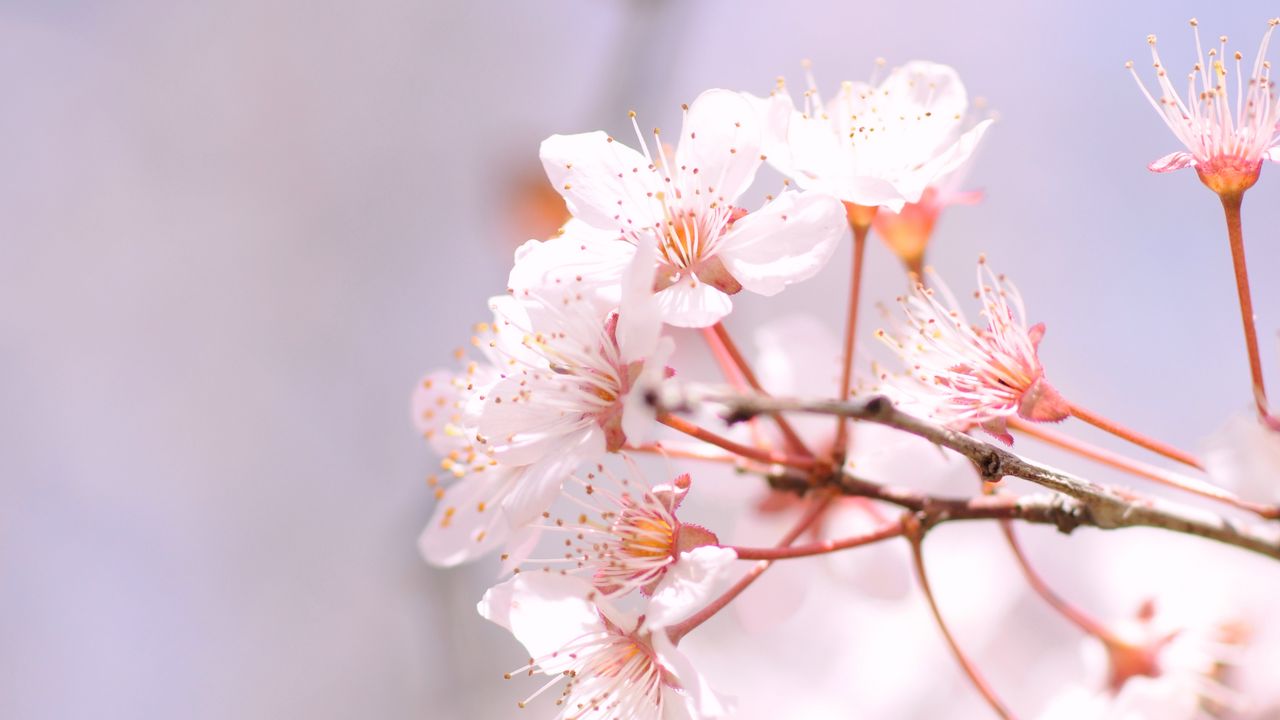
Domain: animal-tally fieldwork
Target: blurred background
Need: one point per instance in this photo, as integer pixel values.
(234, 234)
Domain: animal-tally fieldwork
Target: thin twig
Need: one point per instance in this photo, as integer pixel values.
(817, 505)
(750, 453)
(915, 534)
(1072, 613)
(718, 334)
(1141, 469)
(818, 548)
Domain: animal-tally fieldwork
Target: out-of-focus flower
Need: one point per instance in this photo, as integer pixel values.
(614, 664)
(1226, 141)
(682, 205)
(468, 520)
(1244, 455)
(874, 146)
(966, 376)
(534, 208)
(1146, 671)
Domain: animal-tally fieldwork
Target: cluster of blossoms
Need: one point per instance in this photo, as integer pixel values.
(567, 387)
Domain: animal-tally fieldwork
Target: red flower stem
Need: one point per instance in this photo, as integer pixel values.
(1235, 234)
(1077, 616)
(817, 505)
(916, 536)
(750, 453)
(860, 220)
(818, 548)
(735, 377)
(1140, 469)
(684, 452)
(728, 368)
(718, 334)
(1136, 438)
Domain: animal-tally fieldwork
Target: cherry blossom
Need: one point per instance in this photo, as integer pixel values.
(1149, 671)
(907, 231)
(1226, 142)
(630, 539)
(614, 664)
(968, 376)
(825, 517)
(559, 385)
(682, 204)
(874, 145)
(467, 521)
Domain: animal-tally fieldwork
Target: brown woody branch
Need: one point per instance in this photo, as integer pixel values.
(1085, 503)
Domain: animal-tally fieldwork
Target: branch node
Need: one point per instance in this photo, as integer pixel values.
(990, 465)
(878, 407)
(1067, 515)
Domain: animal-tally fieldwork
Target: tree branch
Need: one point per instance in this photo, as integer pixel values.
(1087, 503)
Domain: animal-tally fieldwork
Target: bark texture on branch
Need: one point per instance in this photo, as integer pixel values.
(1085, 503)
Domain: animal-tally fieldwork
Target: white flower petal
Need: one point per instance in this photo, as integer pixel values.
(639, 318)
(468, 521)
(638, 415)
(510, 322)
(582, 258)
(522, 430)
(604, 182)
(788, 240)
(774, 115)
(544, 611)
(689, 584)
(919, 87)
(812, 155)
(719, 145)
(700, 700)
(945, 162)
(538, 484)
(693, 304)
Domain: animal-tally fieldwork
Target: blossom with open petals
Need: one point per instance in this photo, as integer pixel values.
(1226, 140)
(614, 664)
(632, 539)
(570, 386)
(968, 376)
(874, 146)
(682, 204)
(559, 385)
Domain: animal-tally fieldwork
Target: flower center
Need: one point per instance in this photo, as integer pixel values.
(688, 237)
(646, 536)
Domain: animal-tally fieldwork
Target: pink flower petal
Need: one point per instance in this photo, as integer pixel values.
(1173, 161)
